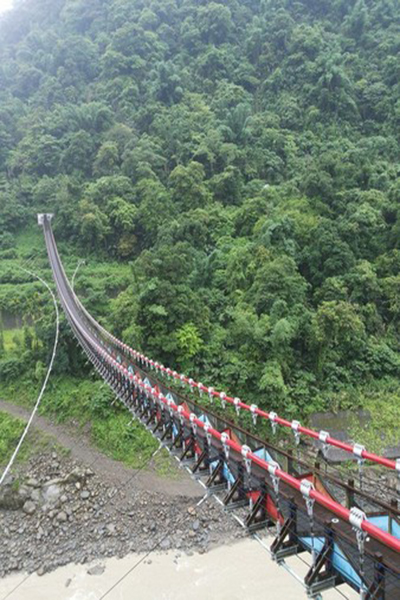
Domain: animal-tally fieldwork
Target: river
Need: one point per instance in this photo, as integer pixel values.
(241, 571)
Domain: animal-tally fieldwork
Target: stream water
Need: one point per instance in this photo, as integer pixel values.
(242, 571)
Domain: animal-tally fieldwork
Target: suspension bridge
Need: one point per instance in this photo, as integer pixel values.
(349, 528)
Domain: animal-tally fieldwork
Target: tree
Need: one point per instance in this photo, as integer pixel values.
(78, 154)
(338, 332)
(277, 279)
(215, 22)
(94, 225)
(189, 342)
(187, 185)
(107, 159)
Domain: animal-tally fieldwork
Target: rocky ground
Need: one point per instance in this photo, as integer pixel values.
(60, 508)
(61, 511)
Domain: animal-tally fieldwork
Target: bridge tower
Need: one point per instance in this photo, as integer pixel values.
(42, 217)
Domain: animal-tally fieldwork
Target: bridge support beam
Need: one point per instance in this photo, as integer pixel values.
(286, 542)
(322, 576)
(258, 516)
(236, 496)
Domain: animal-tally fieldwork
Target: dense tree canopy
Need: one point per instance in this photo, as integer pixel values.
(243, 156)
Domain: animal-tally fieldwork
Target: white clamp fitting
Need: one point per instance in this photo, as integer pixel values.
(156, 366)
(193, 423)
(170, 403)
(191, 383)
(180, 413)
(295, 427)
(272, 417)
(253, 410)
(182, 378)
(175, 375)
(358, 449)
(200, 388)
(356, 518)
(210, 394)
(169, 373)
(272, 469)
(236, 402)
(398, 466)
(223, 399)
(208, 434)
(306, 487)
(224, 440)
(323, 436)
(245, 453)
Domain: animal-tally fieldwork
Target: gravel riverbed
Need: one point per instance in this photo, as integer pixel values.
(60, 511)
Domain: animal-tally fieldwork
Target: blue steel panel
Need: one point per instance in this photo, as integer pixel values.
(339, 560)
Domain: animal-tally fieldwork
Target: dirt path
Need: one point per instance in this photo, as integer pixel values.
(81, 450)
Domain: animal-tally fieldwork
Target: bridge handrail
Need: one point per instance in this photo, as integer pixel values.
(331, 505)
(358, 451)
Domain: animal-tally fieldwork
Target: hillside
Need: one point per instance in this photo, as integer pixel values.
(230, 173)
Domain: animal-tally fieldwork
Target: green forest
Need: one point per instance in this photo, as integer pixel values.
(228, 171)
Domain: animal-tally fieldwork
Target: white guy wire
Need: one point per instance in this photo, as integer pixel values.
(13, 457)
(81, 262)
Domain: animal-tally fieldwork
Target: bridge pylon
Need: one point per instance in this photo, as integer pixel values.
(42, 217)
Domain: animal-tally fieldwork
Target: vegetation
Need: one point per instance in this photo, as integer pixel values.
(229, 169)
(11, 430)
(25, 349)
(87, 406)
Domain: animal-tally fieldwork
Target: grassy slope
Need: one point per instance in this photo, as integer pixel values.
(87, 405)
(11, 430)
